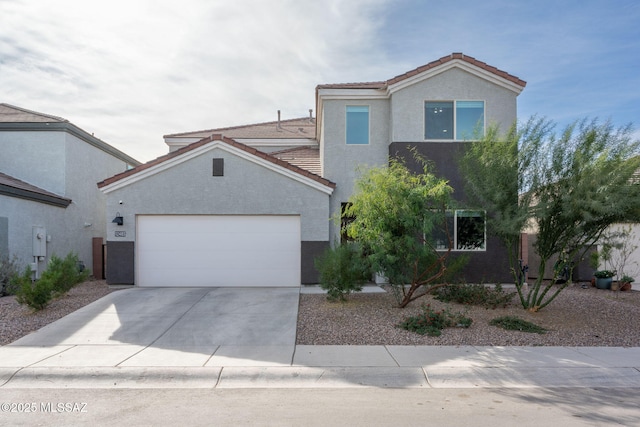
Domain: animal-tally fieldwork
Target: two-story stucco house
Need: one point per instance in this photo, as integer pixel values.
(252, 205)
(49, 203)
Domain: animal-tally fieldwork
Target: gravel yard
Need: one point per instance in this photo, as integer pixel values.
(578, 317)
(18, 320)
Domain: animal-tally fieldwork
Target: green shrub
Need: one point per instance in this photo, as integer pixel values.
(64, 273)
(431, 322)
(60, 276)
(476, 294)
(36, 295)
(513, 323)
(343, 270)
(8, 271)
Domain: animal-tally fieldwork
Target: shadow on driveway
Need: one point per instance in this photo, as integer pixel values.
(174, 326)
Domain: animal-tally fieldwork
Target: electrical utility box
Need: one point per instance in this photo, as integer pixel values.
(39, 241)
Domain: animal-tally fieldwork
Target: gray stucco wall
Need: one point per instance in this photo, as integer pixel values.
(343, 163)
(400, 118)
(22, 215)
(36, 157)
(65, 165)
(407, 105)
(245, 189)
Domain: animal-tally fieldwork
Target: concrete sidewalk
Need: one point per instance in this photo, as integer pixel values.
(245, 338)
(122, 366)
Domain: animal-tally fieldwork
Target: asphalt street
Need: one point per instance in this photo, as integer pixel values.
(565, 407)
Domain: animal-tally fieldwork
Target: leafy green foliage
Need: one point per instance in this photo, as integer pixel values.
(36, 295)
(59, 277)
(9, 271)
(395, 215)
(343, 270)
(474, 294)
(431, 322)
(513, 323)
(571, 187)
(64, 273)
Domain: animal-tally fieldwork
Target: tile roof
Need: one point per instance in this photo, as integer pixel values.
(304, 127)
(423, 68)
(227, 140)
(307, 158)
(14, 187)
(13, 114)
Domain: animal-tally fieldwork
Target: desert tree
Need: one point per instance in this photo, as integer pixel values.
(569, 188)
(398, 216)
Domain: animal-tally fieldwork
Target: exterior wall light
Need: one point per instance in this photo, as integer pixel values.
(118, 219)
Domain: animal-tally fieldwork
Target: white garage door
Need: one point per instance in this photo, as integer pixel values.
(201, 250)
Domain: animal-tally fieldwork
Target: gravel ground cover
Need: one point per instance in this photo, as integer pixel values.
(18, 320)
(578, 317)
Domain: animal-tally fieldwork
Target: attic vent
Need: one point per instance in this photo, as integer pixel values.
(218, 167)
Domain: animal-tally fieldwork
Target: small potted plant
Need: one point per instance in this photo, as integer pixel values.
(625, 283)
(604, 278)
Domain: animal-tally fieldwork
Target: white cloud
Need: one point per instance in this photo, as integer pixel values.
(133, 71)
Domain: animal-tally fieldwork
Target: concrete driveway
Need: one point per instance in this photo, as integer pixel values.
(171, 327)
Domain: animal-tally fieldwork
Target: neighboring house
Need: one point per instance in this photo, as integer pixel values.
(252, 205)
(49, 203)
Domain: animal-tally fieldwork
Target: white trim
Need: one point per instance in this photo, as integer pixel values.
(465, 66)
(351, 94)
(209, 147)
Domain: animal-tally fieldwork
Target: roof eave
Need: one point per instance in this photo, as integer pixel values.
(162, 163)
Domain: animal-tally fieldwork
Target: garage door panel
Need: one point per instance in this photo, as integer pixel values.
(218, 251)
(202, 278)
(219, 258)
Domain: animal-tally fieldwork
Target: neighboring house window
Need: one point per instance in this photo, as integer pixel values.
(468, 231)
(459, 120)
(357, 124)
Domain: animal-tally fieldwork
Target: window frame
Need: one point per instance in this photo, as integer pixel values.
(455, 137)
(453, 214)
(346, 124)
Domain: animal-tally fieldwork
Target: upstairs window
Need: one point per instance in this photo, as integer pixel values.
(357, 124)
(453, 120)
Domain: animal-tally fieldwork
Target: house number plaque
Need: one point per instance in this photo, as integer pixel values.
(121, 234)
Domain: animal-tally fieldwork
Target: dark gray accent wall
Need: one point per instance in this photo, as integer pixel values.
(311, 250)
(490, 266)
(120, 263)
(443, 155)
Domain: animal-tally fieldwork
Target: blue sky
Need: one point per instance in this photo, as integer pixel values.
(131, 71)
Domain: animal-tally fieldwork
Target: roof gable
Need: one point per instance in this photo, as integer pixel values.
(176, 157)
(460, 60)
